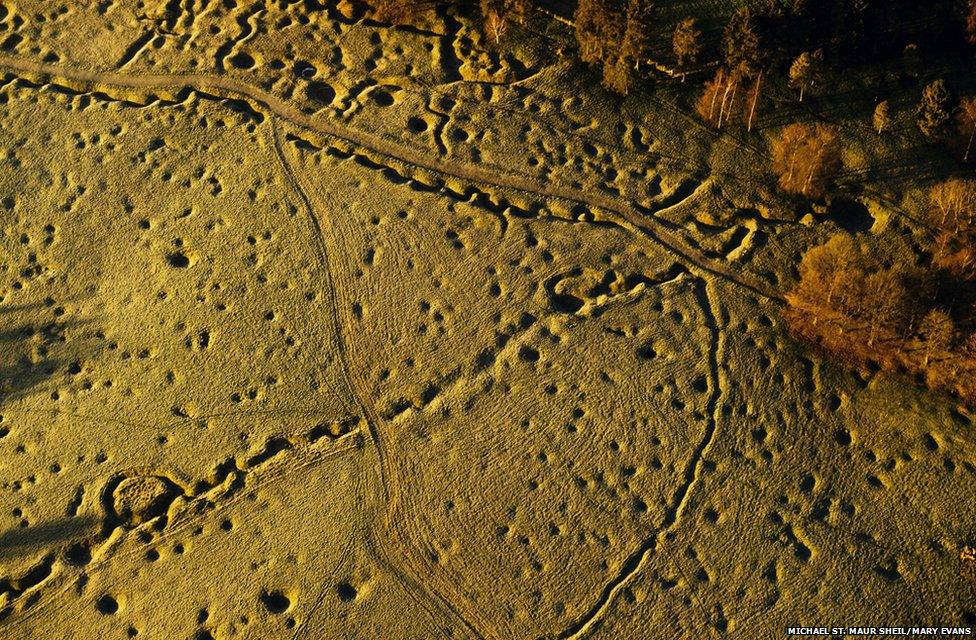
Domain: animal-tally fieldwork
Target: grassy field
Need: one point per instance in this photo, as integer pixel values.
(314, 328)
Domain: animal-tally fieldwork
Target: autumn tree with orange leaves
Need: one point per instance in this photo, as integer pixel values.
(806, 158)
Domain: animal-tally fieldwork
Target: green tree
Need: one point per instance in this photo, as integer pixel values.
(637, 32)
(806, 71)
(741, 46)
(599, 29)
(935, 109)
(912, 61)
(618, 71)
(519, 9)
(686, 42)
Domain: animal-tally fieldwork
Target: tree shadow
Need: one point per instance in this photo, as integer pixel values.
(27, 349)
(850, 214)
(24, 540)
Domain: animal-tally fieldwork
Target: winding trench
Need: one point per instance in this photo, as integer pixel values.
(638, 559)
(622, 213)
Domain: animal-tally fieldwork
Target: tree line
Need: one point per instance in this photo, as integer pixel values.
(798, 41)
(807, 157)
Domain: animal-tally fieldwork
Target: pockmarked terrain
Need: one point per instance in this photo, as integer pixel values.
(313, 328)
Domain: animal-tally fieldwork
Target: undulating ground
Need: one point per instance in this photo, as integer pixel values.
(313, 328)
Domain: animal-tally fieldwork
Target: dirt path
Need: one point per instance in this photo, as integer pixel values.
(620, 212)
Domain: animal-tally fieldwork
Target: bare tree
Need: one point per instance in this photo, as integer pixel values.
(719, 101)
(966, 125)
(494, 17)
(753, 100)
(953, 205)
(707, 105)
(497, 14)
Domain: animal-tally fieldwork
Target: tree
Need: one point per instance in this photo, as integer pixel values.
(599, 29)
(494, 17)
(953, 205)
(686, 42)
(718, 101)
(752, 99)
(618, 75)
(806, 70)
(806, 158)
(912, 61)
(587, 21)
(786, 154)
(882, 116)
(935, 109)
(971, 22)
(518, 9)
(885, 301)
(966, 125)
(707, 105)
(827, 270)
(637, 32)
(618, 71)
(840, 283)
(741, 48)
(937, 332)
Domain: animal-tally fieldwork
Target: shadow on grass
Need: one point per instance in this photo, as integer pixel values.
(24, 540)
(26, 360)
